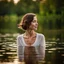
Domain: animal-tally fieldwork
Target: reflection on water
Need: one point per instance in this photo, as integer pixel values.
(30, 55)
(8, 50)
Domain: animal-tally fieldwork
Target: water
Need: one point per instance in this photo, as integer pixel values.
(8, 50)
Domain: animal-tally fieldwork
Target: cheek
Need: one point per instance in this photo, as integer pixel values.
(32, 25)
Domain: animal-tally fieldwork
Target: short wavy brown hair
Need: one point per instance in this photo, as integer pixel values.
(26, 21)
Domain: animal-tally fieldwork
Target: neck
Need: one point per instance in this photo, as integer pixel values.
(30, 33)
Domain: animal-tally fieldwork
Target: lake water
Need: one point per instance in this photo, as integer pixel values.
(8, 50)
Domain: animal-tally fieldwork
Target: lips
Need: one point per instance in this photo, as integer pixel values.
(36, 26)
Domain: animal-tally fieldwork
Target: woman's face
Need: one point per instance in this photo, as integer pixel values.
(34, 24)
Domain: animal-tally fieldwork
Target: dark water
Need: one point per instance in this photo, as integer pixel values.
(8, 50)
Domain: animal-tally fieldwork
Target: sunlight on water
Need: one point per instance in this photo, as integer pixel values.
(8, 50)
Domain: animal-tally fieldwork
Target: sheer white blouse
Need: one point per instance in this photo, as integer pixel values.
(39, 46)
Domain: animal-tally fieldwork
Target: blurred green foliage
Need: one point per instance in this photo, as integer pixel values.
(50, 15)
(36, 6)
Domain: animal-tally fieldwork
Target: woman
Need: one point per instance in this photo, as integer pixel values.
(30, 44)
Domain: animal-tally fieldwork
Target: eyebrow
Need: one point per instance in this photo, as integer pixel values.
(34, 19)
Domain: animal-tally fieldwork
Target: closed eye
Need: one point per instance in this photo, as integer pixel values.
(34, 20)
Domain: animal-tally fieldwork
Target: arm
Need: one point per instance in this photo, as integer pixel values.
(42, 46)
(19, 49)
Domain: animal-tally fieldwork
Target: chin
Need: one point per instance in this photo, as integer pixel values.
(35, 29)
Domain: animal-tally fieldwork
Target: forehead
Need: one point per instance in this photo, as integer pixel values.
(35, 18)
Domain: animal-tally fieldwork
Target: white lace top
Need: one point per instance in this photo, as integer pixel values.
(39, 46)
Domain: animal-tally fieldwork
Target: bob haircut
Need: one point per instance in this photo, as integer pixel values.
(26, 21)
